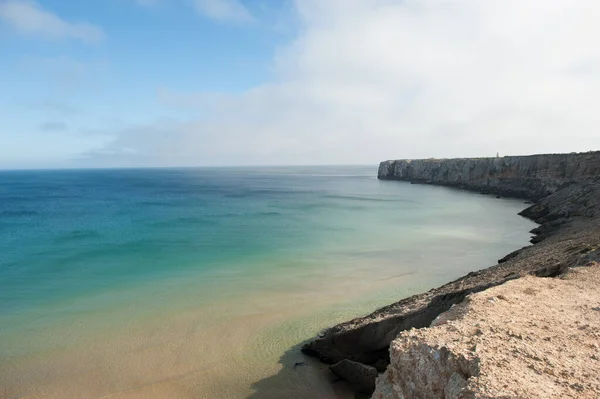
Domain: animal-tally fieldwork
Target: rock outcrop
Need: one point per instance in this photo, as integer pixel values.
(528, 338)
(566, 189)
(361, 377)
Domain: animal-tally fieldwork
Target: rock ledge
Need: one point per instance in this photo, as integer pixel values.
(528, 338)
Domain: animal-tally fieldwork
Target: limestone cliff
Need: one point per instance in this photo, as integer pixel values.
(506, 342)
(531, 177)
(566, 189)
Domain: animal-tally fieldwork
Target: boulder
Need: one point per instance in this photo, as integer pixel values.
(360, 376)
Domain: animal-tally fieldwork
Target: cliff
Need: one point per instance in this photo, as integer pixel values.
(531, 177)
(506, 342)
(566, 189)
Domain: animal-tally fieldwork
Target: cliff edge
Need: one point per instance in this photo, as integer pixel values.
(529, 338)
(566, 188)
(531, 177)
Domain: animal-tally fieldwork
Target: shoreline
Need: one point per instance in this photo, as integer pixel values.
(564, 189)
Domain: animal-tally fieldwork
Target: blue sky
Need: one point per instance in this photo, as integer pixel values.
(109, 83)
(63, 91)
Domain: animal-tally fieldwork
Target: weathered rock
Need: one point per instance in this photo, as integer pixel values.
(567, 191)
(510, 255)
(507, 342)
(360, 376)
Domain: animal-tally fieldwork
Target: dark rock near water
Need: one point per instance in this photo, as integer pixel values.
(565, 189)
(361, 377)
(298, 364)
(510, 255)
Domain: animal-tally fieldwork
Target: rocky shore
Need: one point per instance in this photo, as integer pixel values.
(528, 338)
(565, 191)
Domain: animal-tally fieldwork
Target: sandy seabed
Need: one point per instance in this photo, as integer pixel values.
(244, 345)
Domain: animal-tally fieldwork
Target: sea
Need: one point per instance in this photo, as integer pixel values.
(204, 282)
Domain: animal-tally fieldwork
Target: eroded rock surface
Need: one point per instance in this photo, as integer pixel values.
(528, 338)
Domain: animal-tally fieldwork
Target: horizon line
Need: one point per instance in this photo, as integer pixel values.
(24, 169)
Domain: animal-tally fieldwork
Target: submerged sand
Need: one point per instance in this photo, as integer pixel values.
(244, 345)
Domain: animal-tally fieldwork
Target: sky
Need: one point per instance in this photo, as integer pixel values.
(136, 83)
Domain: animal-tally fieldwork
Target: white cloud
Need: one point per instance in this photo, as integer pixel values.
(224, 10)
(367, 80)
(28, 17)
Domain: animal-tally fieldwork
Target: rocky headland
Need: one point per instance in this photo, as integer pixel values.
(564, 191)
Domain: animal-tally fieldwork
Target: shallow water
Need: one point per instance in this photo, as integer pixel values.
(201, 283)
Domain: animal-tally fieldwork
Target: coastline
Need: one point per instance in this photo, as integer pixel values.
(564, 189)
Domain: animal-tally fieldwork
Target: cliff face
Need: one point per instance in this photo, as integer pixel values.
(506, 342)
(566, 189)
(532, 177)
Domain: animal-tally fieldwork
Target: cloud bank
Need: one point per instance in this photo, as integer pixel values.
(367, 80)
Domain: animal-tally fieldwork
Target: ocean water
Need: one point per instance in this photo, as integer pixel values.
(202, 283)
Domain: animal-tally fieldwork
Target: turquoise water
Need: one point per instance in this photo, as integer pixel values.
(160, 282)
